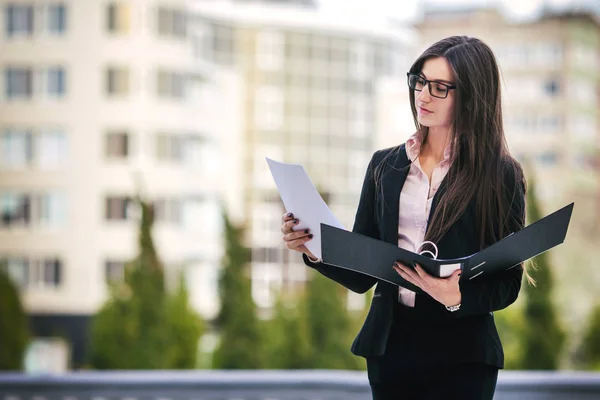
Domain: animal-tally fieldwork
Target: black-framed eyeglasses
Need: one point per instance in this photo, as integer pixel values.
(436, 89)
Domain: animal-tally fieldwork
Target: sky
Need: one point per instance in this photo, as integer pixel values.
(409, 10)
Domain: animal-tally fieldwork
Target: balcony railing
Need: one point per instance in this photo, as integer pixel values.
(263, 385)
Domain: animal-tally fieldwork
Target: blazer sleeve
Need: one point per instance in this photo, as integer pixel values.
(494, 293)
(365, 223)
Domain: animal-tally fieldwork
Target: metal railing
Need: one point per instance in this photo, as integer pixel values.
(265, 385)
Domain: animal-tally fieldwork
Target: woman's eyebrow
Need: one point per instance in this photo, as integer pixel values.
(437, 80)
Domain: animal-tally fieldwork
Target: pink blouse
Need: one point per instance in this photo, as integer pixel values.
(415, 204)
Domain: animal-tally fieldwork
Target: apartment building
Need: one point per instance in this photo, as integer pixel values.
(100, 101)
(310, 88)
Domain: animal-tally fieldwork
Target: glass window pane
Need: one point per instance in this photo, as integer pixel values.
(117, 145)
(16, 148)
(18, 83)
(17, 269)
(57, 18)
(52, 148)
(56, 81)
(52, 210)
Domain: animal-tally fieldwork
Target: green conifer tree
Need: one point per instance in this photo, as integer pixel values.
(329, 325)
(241, 338)
(288, 344)
(589, 349)
(543, 337)
(14, 325)
(142, 326)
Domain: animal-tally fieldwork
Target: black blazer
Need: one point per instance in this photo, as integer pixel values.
(428, 333)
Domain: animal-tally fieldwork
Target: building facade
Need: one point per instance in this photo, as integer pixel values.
(311, 83)
(100, 101)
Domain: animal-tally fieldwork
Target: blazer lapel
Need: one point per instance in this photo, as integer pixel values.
(391, 185)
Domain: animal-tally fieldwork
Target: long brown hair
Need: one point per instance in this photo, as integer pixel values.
(480, 155)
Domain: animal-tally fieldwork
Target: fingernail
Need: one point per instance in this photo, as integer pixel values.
(310, 236)
(306, 231)
(295, 221)
(290, 215)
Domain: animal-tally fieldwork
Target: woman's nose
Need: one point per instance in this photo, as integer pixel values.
(424, 94)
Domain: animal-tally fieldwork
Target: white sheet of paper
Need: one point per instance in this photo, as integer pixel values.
(300, 197)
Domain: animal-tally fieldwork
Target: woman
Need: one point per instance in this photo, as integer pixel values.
(455, 184)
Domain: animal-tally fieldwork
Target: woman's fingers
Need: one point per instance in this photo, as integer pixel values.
(294, 244)
(409, 274)
(287, 216)
(288, 226)
(294, 235)
(294, 240)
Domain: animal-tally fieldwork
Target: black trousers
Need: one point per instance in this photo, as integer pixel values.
(459, 381)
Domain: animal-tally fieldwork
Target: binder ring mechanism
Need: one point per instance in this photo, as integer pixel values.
(423, 252)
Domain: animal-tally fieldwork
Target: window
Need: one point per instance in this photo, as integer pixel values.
(582, 90)
(57, 18)
(269, 108)
(582, 126)
(18, 20)
(18, 83)
(266, 279)
(56, 81)
(168, 210)
(118, 17)
(550, 54)
(16, 209)
(45, 210)
(584, 56)
(51, 210)
(171, 84)
(52, 148)
(172, 22)
(42, 272)
(23, 82)
(16, 148)
(16, 268)
(203, 42)
(202, 215)
(271, 255)
(117, 145)
(552, 87)
(206, 157)
(361, 60)
(118, 208)
(114, 271)
(187, 149)
(358, 108)
(548, 124)
(357, 165)
(169, 147)
(548, 159)
(117, 81)
(223, 43)
(270, 50)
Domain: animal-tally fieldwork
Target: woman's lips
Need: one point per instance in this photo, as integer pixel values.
(424, 111)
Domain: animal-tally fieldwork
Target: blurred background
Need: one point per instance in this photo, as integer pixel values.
(139, 221)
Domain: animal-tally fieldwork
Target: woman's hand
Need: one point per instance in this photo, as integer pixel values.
(443, 290)
(294, 240)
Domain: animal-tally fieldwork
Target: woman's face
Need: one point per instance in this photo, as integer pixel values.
(433, 111)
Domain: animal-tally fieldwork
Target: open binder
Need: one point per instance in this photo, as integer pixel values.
(374, 257)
